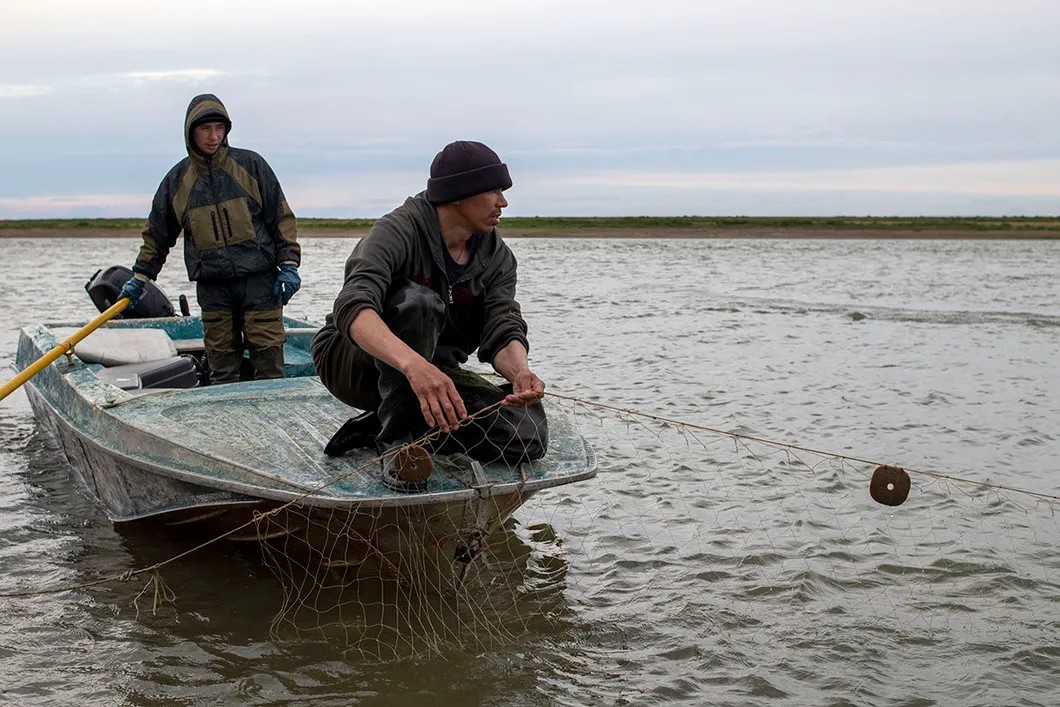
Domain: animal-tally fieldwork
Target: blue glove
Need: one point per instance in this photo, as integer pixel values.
(287, 281)
(134, 290)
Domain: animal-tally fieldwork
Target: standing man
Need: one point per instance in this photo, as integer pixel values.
(240, 244)
(430, 284)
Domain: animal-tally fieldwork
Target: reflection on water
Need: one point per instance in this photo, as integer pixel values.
(694, 569)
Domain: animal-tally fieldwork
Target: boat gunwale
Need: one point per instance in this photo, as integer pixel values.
(312, 497)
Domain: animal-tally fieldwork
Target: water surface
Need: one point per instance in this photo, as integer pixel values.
(694, 569)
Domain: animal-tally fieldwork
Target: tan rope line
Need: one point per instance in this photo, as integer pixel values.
(127, 575)
(823, 453)
(436, 433)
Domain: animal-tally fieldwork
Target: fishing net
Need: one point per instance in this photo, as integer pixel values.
(758, 543)
(689, 542)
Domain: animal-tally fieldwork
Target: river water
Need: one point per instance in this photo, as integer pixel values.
(697, 568)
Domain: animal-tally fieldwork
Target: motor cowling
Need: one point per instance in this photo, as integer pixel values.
(104, 287)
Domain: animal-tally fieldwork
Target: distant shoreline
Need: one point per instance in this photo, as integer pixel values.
(835, 227)
(596, 233)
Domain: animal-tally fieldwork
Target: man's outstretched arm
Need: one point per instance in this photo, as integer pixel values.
(512, 363)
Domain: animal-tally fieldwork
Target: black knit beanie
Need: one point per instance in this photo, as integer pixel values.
(213, 117)
(465, 168)
(214, 111)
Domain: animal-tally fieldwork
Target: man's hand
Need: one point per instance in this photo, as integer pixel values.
(134, 290)
(440, 404)
(511, 363)
(287, 282)
(527, 389)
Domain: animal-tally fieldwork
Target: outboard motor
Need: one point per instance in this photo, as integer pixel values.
(105, 287)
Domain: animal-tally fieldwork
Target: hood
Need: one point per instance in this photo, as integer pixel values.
(203, 106)
(425, 215)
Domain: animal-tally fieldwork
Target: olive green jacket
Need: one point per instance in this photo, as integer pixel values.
(406, 245)
(229, 206)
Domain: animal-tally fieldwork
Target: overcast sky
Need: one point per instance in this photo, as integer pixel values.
(668, 107)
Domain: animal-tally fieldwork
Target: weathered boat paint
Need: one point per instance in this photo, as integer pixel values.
(246, 459)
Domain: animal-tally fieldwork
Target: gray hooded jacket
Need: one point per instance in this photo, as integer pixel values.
(406, 245)
(229, 206)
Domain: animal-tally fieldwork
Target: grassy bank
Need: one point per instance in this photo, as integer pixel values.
(679, 226)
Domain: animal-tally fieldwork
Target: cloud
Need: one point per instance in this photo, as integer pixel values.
(190, 76)
(1025, 187)
(86, 83)
(738, 100)
(1032, 178)
(74, 206)
(15, 90)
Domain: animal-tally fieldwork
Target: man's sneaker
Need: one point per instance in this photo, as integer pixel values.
(406, 468)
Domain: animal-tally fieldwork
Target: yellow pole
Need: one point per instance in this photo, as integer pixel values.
(66, 345)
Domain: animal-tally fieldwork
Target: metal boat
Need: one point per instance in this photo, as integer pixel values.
(148, 439)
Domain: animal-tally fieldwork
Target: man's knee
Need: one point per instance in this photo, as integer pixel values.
(265, 336)
(513, 434)
(218, 331)
(530, 433)
(415, 314)
(347, 372)
(264, 329)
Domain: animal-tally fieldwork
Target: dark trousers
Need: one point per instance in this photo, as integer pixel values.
(242, 314)
(416, 315)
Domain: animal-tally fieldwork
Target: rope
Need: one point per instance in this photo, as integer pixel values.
(163, 593)
(127, 575)
(820, 452)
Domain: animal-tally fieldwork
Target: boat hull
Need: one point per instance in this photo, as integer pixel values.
(245, 461)
(426, 545)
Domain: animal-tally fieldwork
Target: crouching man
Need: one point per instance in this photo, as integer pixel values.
(430, 284)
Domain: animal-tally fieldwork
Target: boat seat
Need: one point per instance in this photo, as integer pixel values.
(176, 372)
(189, 345)
(120, 346)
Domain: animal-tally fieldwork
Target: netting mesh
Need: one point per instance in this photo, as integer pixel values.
(683, 524)
(427, 571)
(689, 542)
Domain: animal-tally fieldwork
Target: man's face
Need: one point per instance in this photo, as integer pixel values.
(483, 211)
(208, 136)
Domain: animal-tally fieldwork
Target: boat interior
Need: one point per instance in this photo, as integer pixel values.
(149, 346)
(140, 354)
